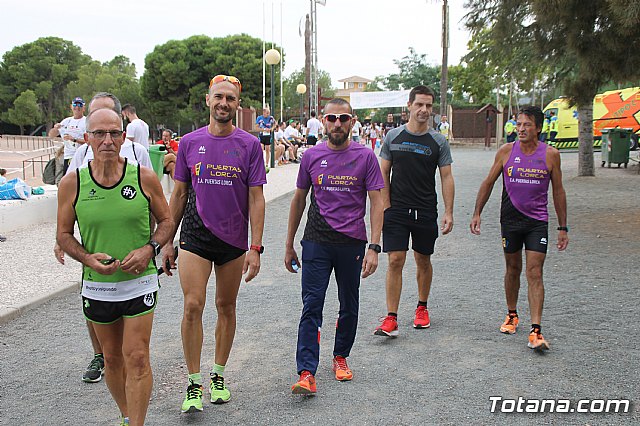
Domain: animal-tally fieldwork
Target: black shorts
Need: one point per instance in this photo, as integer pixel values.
(534, 238)
(196, 238)
(102, 312)
(265, 139)
(65, 165)
(399, 223)
(312, 140)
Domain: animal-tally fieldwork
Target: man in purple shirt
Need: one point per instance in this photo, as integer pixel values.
(340, 175)
(219, 176)
(527, 167)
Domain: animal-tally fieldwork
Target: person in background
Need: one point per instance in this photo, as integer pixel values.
(374, 132)
(3, 180)
(71, 130)
(172, 151)
(293, 137)
(545, 129)
(388, 125)
(403, 118)
(510, 129)
(553, 126)
(445, 128)
(281, 145)
(314, 126)
(356, 130)
(137, 130)
(266, 124)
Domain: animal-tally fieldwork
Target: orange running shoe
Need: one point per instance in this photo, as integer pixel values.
(422, 318)
(389, 327)
(306, 385)
(537, 342)
(510, 324)
(342, 370)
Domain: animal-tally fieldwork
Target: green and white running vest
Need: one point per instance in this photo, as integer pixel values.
(114, 221)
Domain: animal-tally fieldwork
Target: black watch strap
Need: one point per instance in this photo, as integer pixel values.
(375, 247)
(563, 228)
(156, 247)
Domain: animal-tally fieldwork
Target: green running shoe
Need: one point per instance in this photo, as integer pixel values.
(219, 392)
(193, 399)
(95, 370)
(124, 421)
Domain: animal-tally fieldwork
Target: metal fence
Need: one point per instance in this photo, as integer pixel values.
(25, 143)
(41, 162)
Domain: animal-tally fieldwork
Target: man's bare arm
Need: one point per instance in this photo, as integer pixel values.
(298, 204)
(486, 187)
(385, 168)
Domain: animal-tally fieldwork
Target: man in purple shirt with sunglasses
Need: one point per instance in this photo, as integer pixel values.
(340, 175)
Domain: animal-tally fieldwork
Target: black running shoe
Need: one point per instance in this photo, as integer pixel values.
(94, 370)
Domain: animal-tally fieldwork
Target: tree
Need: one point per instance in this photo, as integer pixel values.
(291, 98)
(45, 66)
(413, 70)
(586, 43)
(177, 75)
(25, 111)
(117, 76)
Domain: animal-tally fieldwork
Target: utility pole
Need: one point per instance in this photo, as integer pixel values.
(307, 61)
(444, 73)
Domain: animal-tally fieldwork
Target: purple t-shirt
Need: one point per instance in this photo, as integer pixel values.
(221, 170)
(341, 179)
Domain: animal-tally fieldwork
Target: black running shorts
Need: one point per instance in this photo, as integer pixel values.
(312, 140)
(265, 139)
(534, 238)
(196, 238)
(400, 223)
(102, 312)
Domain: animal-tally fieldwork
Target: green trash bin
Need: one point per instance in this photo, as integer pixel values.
(615, 146)
(156, 154)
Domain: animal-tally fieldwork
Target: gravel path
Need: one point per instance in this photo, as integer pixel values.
(443, 375)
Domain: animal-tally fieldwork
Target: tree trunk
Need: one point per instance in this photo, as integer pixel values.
(21, 130)
(585, 140)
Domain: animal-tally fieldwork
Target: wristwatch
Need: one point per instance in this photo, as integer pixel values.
(375, 247)
(156, 247)
(563, 228)
(259, 249)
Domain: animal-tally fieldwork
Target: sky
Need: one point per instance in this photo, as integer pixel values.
(355, 37)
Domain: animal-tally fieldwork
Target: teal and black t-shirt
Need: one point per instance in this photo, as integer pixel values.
(414, 161)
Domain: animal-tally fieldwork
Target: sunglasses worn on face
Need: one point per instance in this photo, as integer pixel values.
(101, 135)
(221, 77)
(77, 105)
(342, 117)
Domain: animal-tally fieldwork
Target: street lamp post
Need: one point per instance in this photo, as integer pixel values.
(301, 89)
(272, 57)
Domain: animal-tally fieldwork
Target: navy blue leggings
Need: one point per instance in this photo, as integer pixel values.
(318, 260)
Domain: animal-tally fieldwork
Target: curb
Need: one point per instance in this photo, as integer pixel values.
(10, 313)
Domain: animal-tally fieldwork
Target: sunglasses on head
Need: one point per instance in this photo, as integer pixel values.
(332, 118)
(221, 77)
